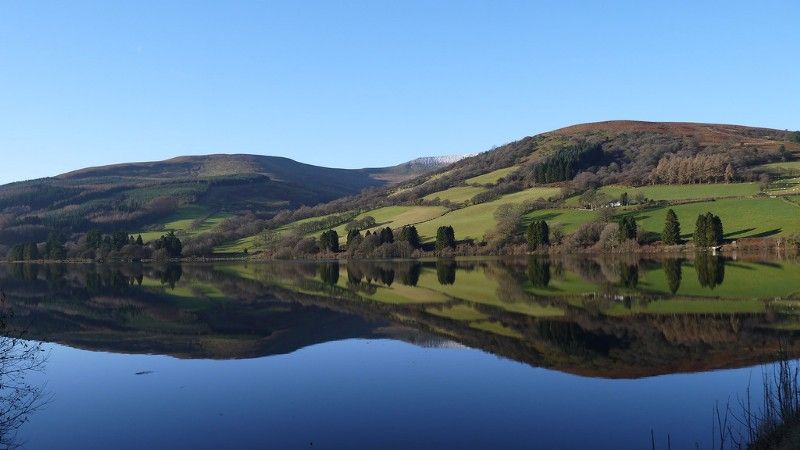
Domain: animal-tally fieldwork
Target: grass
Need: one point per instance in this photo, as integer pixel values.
(181, 223)
(672, 192)
(458, 194)
(238, 246)
(474, 221)
(783, 168)
(570, 219)
(741, 217)
(397, 216)
(493, 176)
(746, 217)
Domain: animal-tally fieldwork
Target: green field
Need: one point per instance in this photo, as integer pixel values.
(673, 192)
(570, 219)
(492, 177)
(458, 194)
(746, 217)
(181, 223)
(791, 168)
(397, 216)
(741, 217)
(474, 221)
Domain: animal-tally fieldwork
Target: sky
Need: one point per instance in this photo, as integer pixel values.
(373, 83)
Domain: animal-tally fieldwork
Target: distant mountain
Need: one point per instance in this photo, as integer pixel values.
(414, 168)
(136, 196)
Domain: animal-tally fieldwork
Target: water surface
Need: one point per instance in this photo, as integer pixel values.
(503, 353)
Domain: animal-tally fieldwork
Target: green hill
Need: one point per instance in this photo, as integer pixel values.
(689, 167)
(190, 195)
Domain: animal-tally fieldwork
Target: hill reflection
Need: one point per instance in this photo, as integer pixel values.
(607, 317)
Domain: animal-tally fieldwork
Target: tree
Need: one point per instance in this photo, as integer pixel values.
(329, 240)
(31, 252)
(410, 234)
(16, 253)
(139, 240)
(387, 237)
(93, 240)
(353, 235)
(445, 237)
(627, 228)
(708, 230)
(170, 244)
(763, 182)
(54, 248)
(700, 228)
(672, 229)
(119, 239)
(537, 234)
(729, 174)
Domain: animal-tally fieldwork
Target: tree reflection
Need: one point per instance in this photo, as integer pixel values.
(409, 273)
(710, 269)
(539, 272)
(19, 398)
(446, 271)
(329, 273)
(629, 275)
(672, 270)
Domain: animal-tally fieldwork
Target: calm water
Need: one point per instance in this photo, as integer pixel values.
(514, 353)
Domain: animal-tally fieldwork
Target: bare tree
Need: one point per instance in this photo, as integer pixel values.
(19, 398)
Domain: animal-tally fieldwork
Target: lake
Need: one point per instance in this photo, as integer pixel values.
(569, 353)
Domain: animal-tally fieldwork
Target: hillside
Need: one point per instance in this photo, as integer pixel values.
(197, 192)
(572, 176)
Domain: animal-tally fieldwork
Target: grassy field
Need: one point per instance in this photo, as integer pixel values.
(181, 223)
(745, 217)
(570, 219)
(492, 177)
(398, 216)
(735, 203)
(783, 168)
(678, 192)
(474, 221)
(741, 217)
(458, 194)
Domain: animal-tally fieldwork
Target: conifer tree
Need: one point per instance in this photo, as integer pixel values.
(627, 228)
(672, 229)
(445, 237)
(410, 234)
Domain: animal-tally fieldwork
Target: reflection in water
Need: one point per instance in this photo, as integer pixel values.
(672, 270)
(409, 273)
(539, 271)
(611, 317)
(329, 273)
(710, 269)
(629, 275)
(446, 271)
(19, 398)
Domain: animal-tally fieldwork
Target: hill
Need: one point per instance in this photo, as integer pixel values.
(576, 175)
(190, 192)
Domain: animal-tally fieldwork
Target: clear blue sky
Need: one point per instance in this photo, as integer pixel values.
(373, 83)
